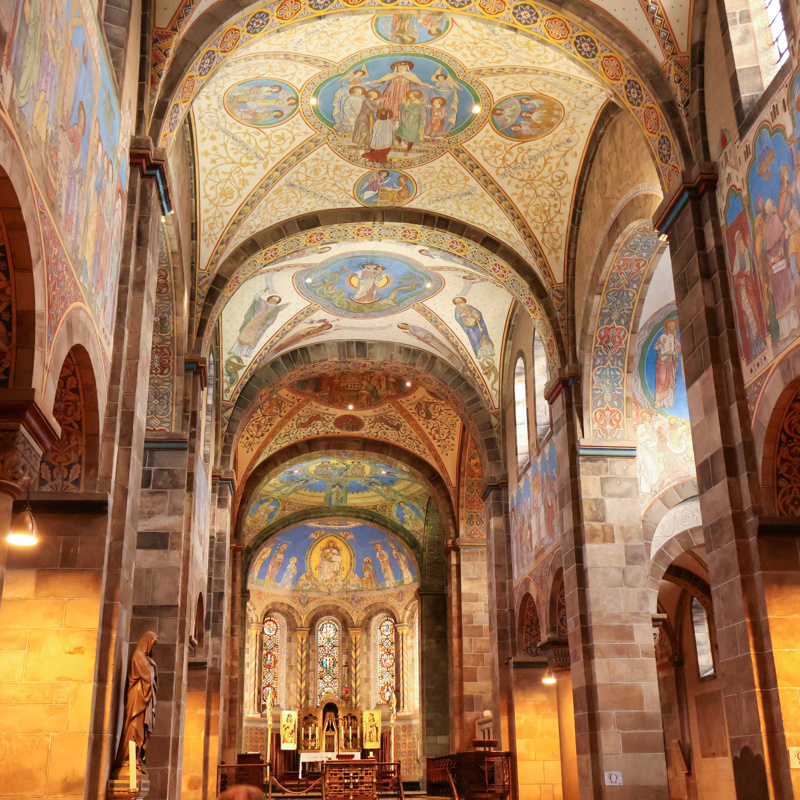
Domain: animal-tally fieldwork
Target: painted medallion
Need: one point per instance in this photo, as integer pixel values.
(411, 27)
(385, 187)
(262, 102)
(523, 117)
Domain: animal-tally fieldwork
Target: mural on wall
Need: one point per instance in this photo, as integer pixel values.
(333, 556)
(760, 198)
(340, 478)
(262, 102)
(64, 107)
(473, 521)
(408, 26)
(399, 107)
(396, 291)
(64, 464)
(385, 187)
(523, 117)
(665, 455)
(533, 513)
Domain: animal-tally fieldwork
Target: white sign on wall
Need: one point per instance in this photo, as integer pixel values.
(613, 779)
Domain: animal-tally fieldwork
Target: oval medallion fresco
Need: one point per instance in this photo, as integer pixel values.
(523, 117)
(396, 108)
(367, 284)
(262, 103)
(385, 187)
(411, 27)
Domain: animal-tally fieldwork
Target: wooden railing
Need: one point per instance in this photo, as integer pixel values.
(474, 775)
(242, 774)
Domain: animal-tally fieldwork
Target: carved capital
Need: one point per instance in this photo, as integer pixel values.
(556, 651)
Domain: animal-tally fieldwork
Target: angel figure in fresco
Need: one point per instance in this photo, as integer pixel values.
(426, 337)
(262, 313)
(337, 494)
(376, 181)
(368, 571)
(386, 566)
(411, 520)
(349, 81)
(647, 437)
(668, 348)
(367, 281)
(677, 454)
(289, 574)
(276, 563)
(402, 562)
(747, 296)
(471, 320)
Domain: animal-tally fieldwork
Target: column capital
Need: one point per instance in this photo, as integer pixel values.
(355, 633)
(302, 634)
(697, 181)
(556, 651)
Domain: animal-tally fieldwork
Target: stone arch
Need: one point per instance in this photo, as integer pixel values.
(432, 479)
(293, 618)
(418, 363)
(529, 629)
(557, 616)
(185, 57)
(19, 212)
(71, 463)
(607, 392)
(682, 500)
(664, 557)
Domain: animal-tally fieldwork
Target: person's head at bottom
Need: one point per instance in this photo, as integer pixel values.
(242, 792)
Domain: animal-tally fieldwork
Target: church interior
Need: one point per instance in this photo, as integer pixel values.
(398, 397)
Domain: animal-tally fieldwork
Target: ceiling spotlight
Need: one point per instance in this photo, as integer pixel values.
(476, 109)
(297, 472)
(428, 285)
(308, 280)
(350, 406)
(313, 101)
(408, 383)
(383, 472)
(549, 679)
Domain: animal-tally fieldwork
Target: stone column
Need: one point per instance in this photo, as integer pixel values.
(238, 598)
(617, 711)
(401, 667)
(252, 690)
(355, 660)
(302, 667)
(757, 708)
(434, 673)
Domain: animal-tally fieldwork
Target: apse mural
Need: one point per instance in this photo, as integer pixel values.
(397, 107)
(262, 102)
(415, 296)
(665, 455)
(411, 27)
(385, 187)
(533, 513)
(523, 117)
(361, 285)
(332, 557)
(340, 478)
(64, 108)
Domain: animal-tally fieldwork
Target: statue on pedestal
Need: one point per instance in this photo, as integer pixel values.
(140, 704)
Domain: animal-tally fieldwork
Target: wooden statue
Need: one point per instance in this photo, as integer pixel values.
(140, 704)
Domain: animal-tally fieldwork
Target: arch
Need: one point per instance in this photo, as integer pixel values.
(664, 557)
(20, 214)
(328, 638)
(385, 657)
(557, 622)
(668, 140)
(529, 629)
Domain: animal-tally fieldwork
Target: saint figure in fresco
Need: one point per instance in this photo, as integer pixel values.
(289, 574)
(402, 562)
(337, 495)
(398, 83)
(668, 348)
(412, 120)
(367, 283)
(368, 573)
(747, 295)
(386, 566)
(471, 320)
(276, 563)
(426, 337)
(411, 520)
(262, 312)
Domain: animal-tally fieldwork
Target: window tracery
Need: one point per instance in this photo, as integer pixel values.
(328, 647)
(270, 657)
(387, 679)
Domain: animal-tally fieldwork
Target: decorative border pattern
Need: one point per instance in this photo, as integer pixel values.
(531, 17)
(480, 258)
(608, 380)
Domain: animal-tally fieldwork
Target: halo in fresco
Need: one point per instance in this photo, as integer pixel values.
(396, 106)
(327, 558)
(407, 26)
(366, 284)
(262, 102)
(385, 187)
(524, 117)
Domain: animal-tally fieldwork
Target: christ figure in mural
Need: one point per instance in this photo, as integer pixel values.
(668, 348)
(748, 300)
(398, 85)
(330, 566)
(471, 320)
(259, 316)
(368, 282)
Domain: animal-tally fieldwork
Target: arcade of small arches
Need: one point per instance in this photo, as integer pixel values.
(402, 385)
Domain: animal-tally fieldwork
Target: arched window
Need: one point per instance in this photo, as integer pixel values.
(328, 643)
(270, 658)
(702, 640)
(521, 415)
(386, 660)
(540, 376)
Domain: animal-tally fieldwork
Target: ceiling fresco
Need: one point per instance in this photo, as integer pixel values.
(415, 417)
(334, 556)
(469, 120)
(391, 292)
(340, 478)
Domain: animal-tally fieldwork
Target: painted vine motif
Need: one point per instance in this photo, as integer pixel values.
(531, 630)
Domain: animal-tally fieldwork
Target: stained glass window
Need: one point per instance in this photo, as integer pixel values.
(521, 415)
(540, 375)
(386, 660)
(328, 639)
(270, 655)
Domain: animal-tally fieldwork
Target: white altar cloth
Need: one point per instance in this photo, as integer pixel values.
(309, 757)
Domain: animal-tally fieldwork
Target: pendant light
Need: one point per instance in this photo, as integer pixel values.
(23, 527)
(549, 679)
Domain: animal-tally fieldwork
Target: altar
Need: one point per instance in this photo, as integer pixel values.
(312, 757)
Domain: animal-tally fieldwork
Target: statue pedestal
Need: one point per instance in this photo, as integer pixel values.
(120, 790)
